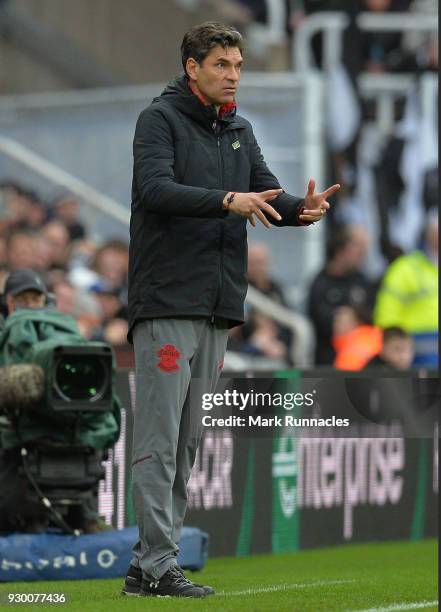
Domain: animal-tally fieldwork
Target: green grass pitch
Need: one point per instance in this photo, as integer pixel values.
(379, 577)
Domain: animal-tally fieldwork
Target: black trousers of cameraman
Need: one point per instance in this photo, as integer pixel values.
(20, 509)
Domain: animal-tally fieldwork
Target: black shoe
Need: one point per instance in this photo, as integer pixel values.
(208, 590)
(132, 585)
(172, 584)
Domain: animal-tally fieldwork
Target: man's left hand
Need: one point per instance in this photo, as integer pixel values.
(316, 204)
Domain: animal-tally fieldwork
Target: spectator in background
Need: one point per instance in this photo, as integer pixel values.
(81, 256)
(355, 339)
(261, 339)
(14, 206)
(383, 51)
(408, 296)
(340, 283)
(24, 208)
(42, 260)
(57, 236)
(82, 253)
(113, 326)
(88, 282)
(111, 263)
(397, 352)
(260, 335)
(37, 212)
(20, 249)
(258, 272)
(82, 306)
(67, 210)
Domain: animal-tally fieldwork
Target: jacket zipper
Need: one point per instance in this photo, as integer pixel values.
(221, 267)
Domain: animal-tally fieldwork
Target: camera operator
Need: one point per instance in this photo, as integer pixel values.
(22, 385)
(24, 289)
(28, 424)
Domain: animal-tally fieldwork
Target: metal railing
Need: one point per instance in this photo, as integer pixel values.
(303, 344)
(385, 89)
(64, 179)
(332, 24)
(273, 32)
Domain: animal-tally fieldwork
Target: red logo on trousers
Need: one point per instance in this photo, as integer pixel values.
(168, 355)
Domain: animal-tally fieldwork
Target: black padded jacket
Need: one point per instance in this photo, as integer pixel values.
(188, 256)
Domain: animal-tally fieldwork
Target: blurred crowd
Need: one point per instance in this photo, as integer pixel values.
(389, 322)
(359, 320)
(85, 278)
(354, 318)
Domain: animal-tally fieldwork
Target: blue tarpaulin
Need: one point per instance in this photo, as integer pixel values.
(51, 556)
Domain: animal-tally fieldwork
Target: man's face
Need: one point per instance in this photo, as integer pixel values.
(20, 252)
(258, 262)
(217, 76)
(356, 249)
(25, 299)
(398, 352)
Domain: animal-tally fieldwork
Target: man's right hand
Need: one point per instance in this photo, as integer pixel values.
(250, 204)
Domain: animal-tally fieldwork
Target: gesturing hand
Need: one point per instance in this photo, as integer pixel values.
(250, 204)
(316, 204)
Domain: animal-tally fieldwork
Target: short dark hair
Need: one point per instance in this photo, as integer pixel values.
(394, 333)
(201, 39)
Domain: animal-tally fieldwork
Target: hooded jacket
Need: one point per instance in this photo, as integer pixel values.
(188, 256)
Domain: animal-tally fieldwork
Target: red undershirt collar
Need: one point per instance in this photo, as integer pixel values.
(224, 109)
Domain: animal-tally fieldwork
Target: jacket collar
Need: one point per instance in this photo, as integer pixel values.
(179, 94)
(227, 110)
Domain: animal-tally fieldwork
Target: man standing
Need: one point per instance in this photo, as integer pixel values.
(198, 177)
(340, 283)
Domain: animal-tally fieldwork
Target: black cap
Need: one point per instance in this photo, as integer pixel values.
(24, 280)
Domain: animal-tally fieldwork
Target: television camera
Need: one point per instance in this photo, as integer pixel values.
(59, 415)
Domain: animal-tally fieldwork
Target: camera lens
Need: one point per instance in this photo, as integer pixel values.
(81, 378)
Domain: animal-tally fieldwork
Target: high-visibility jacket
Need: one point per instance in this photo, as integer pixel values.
(355, 348)
(408, 298)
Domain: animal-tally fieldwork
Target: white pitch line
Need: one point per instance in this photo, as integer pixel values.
(417, 605)
(284, 587)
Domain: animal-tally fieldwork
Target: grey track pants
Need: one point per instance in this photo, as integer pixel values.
(169, 354)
